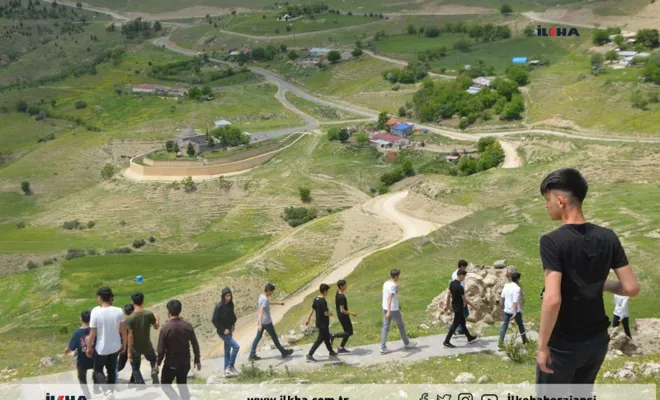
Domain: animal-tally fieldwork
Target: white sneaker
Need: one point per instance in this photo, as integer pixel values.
(411, 344)
(235, 371)
(108, 395)
(384, 350)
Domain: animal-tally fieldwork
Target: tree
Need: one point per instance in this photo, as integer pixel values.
(529, 31)
(190, 150)
(407, 168)
(207, 91)
(619, 40)
(361, 138)
(334, 56)
(194, 93)
(601, 37)
(79, 4)
(53, 102)
(21, 106)
(283, 48)
(462, 45)
(505, 87)
(596, 59)
(80, 104)
(107, 172)
(518, 74)
(356, 52)
(382, 120)
(292, 55)
(333, 134)
(611, 56)
(651, 71)
(485, 142)
(305, 194)
(431, 31)
(514, 108)
(169, 146)
(402, 111)
(158, 26)
(506, 9)
(188, 184)
(343, 135)
(648, 37)
(25, 187)
(288, 28)
(411, 29)
(230, 136)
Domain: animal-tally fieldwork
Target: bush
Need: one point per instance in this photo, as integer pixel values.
(80, 104)
(123, 223)
(108, 172)
(47, 138)
(139, 243)
(334, 56)
(431, 31)
(292, 55)
(21, 106)
(48, 261)
(188, 184)
(91, 252)
(74, 253)
(20, 225)
(518, 352)
(305, 194)
(296, 216)
(91, 224)
(71, 225)
(356, 52)
(383, 189)
(31, 265)
(484, 143)
(169, 146)
(601, 37)
(152, 239)
(25, 187)
(518, 74)
(119, 250)
(33, 110)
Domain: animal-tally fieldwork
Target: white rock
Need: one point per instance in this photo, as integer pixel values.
(46, 361)
(212, 380)
(650, 369)
(624, 374)
(484, 379)
(608, 374)
(506, 359)
(630, 366)
(464, 377)
(424, 327)
(403, 394)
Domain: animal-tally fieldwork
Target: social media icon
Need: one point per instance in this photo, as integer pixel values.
(465, 396)
(425, 396)
(489, 397)
(445, 397)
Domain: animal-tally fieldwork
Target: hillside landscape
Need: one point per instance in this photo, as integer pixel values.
(204, 144)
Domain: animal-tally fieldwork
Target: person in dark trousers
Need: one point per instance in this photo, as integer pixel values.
(462, 266)
(123, 357)
(174, 342)
(577, 259)
(621, 313)
(139, 339)
(344, 316)
(78, 343)
(320, 307)
(106, 340)
(458, 301)
(512, 307)
(265, 323)
(224, 319)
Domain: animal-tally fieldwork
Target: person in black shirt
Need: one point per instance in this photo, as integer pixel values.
(344, 316)
(78, 343)
(458, 301)
(577, 258)
(320, 306)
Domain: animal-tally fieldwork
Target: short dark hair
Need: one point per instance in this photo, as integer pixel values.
(324, 288)
(568, 180)
(137, 298)
(462, 263)
(515, 277)
(269, 287)
(174, 307)
(85, 316)
(341, 283)
(128, 309)
(395, 272)
(105, 293)
(461, 273)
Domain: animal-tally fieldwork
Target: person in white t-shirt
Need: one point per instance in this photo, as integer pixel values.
(391, 311)
(512, 304)
(108, 329)
(621, 313)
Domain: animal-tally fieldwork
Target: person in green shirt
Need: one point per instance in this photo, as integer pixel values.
(139, 339)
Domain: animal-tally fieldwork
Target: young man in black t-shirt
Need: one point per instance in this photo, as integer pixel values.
(320, 306)
(344, 316)
(577, 258)
(78, 343)
(458, 302)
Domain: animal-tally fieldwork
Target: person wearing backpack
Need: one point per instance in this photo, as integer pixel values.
(224, 319)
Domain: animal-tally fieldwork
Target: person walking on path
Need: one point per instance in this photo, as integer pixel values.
(323, 314)
(577, 259)
(621, 313)
(265, 322)
(512, 305)
(224, 319)
(344, 316)
(139, 339)
(458, 301)
(462, 266)
(78, 343)
(106, 339)
(123, 356)
(174, 342)
(392, 311)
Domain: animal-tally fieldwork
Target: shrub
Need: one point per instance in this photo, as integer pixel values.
(74, 253)
(91, 224)
(305, 194)
(138, 243)
(80, 104)
(91, 252)
(383, 189)
(20, 225)
(21, 106)
(334, 56)
(485, 142)
(152, 239)
(518, 352)
(71, 225)
(123, 223)
(169, 146)
(25, 187)
(31, 265)
(48, 261)
(119, 250)
(108, 172)
(47, 138)
(188, 184)
(356, 52)
(33, 109)
(296, 216)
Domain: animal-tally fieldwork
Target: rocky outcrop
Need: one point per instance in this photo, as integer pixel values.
(464, 377)
(619, 341)
(631, 370)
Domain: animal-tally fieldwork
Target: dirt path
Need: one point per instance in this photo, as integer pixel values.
(402, 63)
(384, 206)
(536, 17)
(511, 157)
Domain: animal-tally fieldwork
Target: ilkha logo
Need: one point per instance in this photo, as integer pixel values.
(556, 31)
(64, 397)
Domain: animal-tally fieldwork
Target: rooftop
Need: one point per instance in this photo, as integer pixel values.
(188, 132)
(381, 142)
(402, 127)
(387, 137)
(222, 122)
(393, 121)
(144, 86)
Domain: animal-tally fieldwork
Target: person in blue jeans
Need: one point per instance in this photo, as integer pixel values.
(224, 319)
(265, 323)
(512, 304)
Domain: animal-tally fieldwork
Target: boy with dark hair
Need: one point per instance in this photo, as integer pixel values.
(577, 259)
(458, 301)
(343, 315)
(320, 306)
(391, 311)
(512, 307)
(139, 339)
(78, 343)
(265, 322)
(174, 342)
(462, 266)
(106, 339)
(224, 319)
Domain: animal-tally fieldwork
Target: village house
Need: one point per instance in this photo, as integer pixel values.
(191, 136)
(474, 90)
(402, 130)
(392, 122)
(482, 82)
(387, 140)
(145, 88)
(319, 52)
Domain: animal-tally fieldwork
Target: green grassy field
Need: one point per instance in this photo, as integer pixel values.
(20, 131)
(510, 198)
(320, 112)
(256, 24)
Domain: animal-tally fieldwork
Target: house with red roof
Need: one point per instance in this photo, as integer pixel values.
(387, 140)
